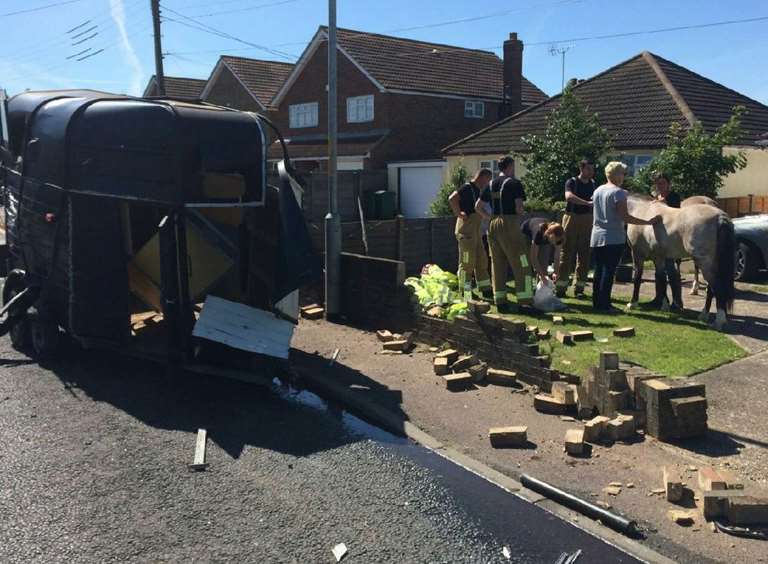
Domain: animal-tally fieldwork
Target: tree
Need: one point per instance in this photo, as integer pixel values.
(440, 206)
(694, 159)
(572, 134)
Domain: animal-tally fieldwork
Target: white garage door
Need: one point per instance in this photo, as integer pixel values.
(418, 188)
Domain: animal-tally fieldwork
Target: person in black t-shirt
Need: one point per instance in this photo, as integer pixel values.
(577, 223)
(541, 233)
(668, 270)
(472, 257)
(508, 246)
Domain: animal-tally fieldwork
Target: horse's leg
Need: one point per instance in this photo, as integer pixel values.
(695, 287)
(708, 271)
(637, 278)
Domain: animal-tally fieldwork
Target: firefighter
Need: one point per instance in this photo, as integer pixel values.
(472, 257)
(507, 242)
(577, 224)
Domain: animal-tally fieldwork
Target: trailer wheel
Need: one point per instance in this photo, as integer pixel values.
(45, 338)
(15, 282)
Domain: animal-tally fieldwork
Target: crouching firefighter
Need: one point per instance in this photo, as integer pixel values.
(506, 240)
(469, 234)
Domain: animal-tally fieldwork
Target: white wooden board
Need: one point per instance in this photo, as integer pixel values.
(243, 327)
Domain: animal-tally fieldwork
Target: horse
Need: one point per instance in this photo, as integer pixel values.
(698, 230)
(694, 200)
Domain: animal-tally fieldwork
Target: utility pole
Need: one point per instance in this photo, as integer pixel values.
(332, 220)
(159, 74)
(560, 51)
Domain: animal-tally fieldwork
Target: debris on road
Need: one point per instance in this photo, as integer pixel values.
(464, 362)
(612, 490)
(339, 551)
(384, 336)
(673, 483)
(500, 377)
(458, 382)
(440, 365)
(508, 436)
(507, 554)
(595, 428)
(574, 442)
(199, 462)
(548, 404)
(449, 354)
(478, 372)
(312, 312)
(682, 518)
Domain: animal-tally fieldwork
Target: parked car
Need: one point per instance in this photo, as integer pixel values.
(752, 245)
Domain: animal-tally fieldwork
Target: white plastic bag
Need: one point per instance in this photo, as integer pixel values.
(545, 299)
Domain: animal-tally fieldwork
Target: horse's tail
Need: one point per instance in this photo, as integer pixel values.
(726, 250)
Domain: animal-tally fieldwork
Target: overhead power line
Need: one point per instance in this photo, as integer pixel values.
(39, 8)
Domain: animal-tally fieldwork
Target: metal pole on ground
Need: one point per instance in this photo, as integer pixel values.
(159, 74)
(332, 220)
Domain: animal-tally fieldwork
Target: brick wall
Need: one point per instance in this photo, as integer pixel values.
(373, 291)
(228, 91)
(745, 205)
(500, 342)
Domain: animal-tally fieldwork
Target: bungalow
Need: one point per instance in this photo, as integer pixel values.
(637, 101)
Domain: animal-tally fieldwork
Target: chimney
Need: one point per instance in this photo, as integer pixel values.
(513, 75)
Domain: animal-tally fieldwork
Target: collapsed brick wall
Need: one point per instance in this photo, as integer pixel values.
(500, 342)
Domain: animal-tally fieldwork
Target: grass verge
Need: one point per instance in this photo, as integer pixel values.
(675, 345)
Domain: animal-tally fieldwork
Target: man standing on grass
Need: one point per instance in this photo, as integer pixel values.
(577, 224)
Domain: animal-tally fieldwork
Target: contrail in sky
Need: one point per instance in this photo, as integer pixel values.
(117, 10)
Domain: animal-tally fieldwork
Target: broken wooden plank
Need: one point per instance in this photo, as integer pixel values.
(199, 462)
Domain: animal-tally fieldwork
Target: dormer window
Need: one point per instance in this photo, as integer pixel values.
(474, 109)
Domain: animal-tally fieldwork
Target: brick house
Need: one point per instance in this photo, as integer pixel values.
(176, 87)
(400, 102)
(637, 101)
(245, 84)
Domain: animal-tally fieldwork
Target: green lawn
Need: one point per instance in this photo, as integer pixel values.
(673, 345)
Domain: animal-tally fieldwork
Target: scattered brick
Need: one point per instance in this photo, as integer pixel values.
(508, 436)
(714, 504)
(557, 320)
(747, 510)
(441, 366)
(609, 361)
(464, 362)
(673, 483)
(621, 428)
(544, 334)
(710, 479)
(313, 313)
(682, 518)
(624, 332)
(547, 404)
(401, 345)
(564, 338)
(456, 382)
(595, 428)
(384, 335)
(450, 354)
(564, 392)
(579, 336)
(478, 371)
(574, 441)
(501, 377)
(612, 490)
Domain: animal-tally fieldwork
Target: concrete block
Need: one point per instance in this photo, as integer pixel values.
(441, 366)
(609, 361)
(456, 382)
(547, 404)
(621, 428)
(747, 510)
(595, 428)
(501, 377)
(624, 332)
(574, 441)
(714, 504)
(478, 371)
(564, 392)
(450, 354)
(710, 479)
(508, 436)
(384, 335)
(557, 320)
(564, 338)
(579, 336)
(464, 362)
(673, 483)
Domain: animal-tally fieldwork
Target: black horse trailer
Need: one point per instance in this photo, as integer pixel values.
(131, 221)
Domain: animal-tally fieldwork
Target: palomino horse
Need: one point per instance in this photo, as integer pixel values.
(698, 230)
(694, 200)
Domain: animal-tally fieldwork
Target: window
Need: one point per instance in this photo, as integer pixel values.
(474, 109)
(360, 109)
(635, 163)
(303, 115)
(491, 165)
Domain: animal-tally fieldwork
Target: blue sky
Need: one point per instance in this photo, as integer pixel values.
(36, 44)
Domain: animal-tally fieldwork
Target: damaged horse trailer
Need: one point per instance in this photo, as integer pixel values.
(147, 226)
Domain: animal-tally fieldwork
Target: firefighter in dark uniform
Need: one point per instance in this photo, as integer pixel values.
(469, 234)
(508, 244)
(577, 224)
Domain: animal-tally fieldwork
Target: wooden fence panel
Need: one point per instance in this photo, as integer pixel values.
(444, 245)
(415, 244)
(382, 238)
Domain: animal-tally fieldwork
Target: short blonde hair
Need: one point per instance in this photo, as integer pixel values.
(614, 167)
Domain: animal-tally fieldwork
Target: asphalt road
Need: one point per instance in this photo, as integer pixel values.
(93, 468)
